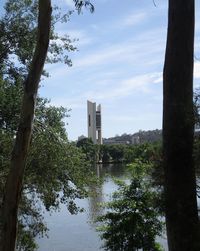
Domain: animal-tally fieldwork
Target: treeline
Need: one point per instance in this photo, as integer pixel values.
(118, 153)
(129, 153)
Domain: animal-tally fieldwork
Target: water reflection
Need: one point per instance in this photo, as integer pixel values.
(66, 229)
(94, 201)
(102, 192)
(117, 170)
(77, 232)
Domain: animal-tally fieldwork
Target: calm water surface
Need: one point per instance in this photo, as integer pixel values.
(77, 232)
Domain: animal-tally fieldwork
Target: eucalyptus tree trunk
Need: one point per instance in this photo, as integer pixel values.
(14, 181)
(178, 129)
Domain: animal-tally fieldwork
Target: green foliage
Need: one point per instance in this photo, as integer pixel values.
(80, 3)
(116, 152)
(113, 153)
(89, 149)
(131, 221)
(9, 112)
(128, 153)
(18, 31)
(104, 153)
(55, 169)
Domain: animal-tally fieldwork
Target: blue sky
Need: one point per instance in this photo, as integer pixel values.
(118, 64)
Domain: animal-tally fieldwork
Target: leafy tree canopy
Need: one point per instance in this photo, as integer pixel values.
(131, 221)
(55, 168)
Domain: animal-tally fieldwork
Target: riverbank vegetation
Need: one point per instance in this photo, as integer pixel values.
(118, 153)
(135, 215)
(40, 165)
(40, 168)
(55, 168)
(132, 218)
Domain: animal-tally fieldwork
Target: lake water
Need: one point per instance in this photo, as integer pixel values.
(77, 232)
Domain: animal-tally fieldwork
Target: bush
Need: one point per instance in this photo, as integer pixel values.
(131, 221)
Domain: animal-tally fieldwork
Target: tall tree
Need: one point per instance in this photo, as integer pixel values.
(55, 168)
(20, 36)
(15, 177)
(178, 128)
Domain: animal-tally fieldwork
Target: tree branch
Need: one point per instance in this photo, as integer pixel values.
(18, 159)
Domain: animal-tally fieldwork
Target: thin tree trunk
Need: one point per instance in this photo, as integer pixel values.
(178, 127)
(13, 186)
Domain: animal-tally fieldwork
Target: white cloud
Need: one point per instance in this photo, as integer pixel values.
(70, 3)
(134, 19)
(141, 84)
(159, 79)
(138, 17)
(100, 57)
(82, 37)
(135, 50)
(128, 118)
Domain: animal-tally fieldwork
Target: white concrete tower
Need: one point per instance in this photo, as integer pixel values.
(94, 122)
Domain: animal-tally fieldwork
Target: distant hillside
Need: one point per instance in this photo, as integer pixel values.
(136, 138)
(149, 136)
